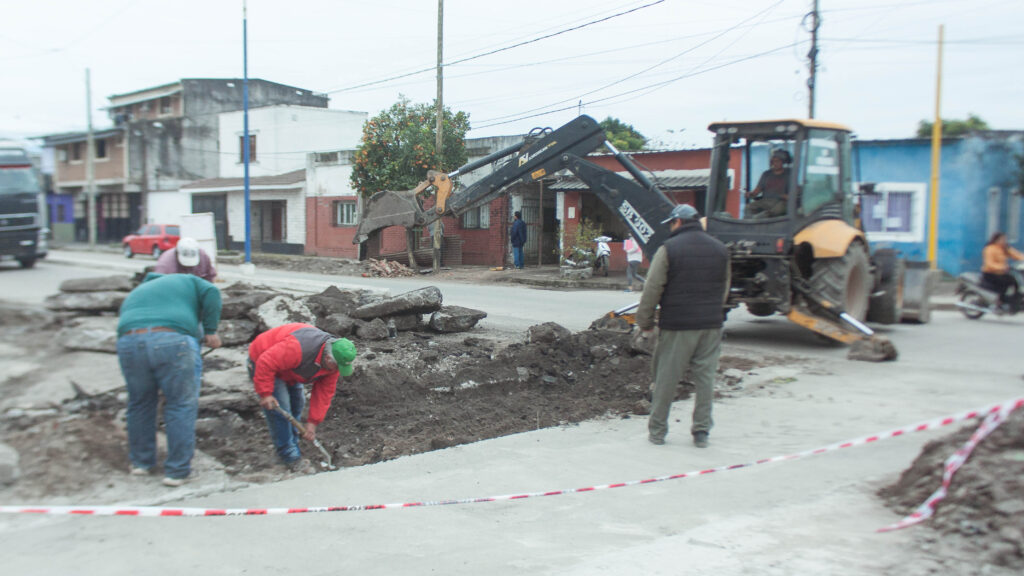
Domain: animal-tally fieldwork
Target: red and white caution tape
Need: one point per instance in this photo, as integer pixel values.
(1003, 407)
(950, 467)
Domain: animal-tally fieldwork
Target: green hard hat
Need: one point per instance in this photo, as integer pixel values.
(344, 352)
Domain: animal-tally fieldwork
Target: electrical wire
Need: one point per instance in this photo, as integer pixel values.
(495, 51)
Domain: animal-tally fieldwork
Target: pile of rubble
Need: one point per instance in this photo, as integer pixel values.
(88, 309)
(980, 523)
(386, 269)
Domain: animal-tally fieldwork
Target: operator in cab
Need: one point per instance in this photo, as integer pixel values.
(995, 269)
(770, 192)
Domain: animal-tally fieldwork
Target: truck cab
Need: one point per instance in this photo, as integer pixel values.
(23, 231)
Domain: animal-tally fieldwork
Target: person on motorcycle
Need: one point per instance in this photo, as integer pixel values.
(995, 268)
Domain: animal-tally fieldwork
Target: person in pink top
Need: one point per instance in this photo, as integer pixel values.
(634, 256)
(186, 258)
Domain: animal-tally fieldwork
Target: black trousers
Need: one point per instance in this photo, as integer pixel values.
(1001, 283)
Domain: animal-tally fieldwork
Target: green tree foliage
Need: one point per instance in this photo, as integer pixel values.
(398, 145)
(952, 127)
(623, 136)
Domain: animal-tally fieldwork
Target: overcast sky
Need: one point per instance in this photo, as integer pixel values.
(669, 67)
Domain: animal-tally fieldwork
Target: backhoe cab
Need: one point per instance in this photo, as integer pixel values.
(796, 243)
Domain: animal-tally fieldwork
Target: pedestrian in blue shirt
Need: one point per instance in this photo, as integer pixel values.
(518, 236)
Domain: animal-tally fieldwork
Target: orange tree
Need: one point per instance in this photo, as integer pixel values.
(397, 147)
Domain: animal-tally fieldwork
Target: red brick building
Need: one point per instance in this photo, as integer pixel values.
(553, 210)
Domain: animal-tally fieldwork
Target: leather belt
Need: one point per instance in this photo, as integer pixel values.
(152, 329)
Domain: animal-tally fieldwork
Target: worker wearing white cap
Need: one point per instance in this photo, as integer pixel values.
(186, 258)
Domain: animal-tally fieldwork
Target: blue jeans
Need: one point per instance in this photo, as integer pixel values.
(517, 256)
(283, 434)
(168, 363)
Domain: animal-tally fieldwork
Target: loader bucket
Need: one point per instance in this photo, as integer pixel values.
(918, 284)
(389, 208)
(873, 349)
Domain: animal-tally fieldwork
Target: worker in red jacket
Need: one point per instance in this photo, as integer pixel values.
(281, 360)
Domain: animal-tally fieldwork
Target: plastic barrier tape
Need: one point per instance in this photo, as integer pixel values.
(1001, 408)
(950, 466)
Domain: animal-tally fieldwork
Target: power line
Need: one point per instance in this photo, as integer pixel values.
(649, 88)
(649, 68)
(497, 50)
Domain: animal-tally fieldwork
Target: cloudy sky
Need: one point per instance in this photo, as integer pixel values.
(669, 67)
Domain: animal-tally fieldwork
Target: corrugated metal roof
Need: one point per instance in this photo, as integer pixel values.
(669, 179)
(286, 180)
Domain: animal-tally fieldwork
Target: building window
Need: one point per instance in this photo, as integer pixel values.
(477, 218)
(101, 148)
(252, 148)
(165, 105)
(76, 152)
(895, 212)
(62, 155)
(114, 206)
(345, 213)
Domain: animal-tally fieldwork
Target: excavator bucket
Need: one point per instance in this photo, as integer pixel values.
(389, 208)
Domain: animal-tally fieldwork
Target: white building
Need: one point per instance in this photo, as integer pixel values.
(296, 154)
(280, 137)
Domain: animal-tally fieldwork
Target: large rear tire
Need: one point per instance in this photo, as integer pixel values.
(844, 281)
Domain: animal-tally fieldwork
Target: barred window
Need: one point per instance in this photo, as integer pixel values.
(477, 218)
(345, 214)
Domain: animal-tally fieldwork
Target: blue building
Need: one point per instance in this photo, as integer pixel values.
(979, 193)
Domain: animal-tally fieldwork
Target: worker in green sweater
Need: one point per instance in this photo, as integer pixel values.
(158, 348)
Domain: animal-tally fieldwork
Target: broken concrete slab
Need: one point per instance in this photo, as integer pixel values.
(52, 386)
(455, 319)
(282, 310)
(100, 284)
(239, 304)
(92, 333)
(422, 301)
(373, 330)
(338, 324)
(406, 322)
(236, 332)
(547, 332)
(334, 300)
(107, 301)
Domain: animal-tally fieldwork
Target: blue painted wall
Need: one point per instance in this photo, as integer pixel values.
(971, 167)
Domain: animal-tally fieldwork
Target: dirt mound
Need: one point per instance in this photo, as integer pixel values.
(418, 392)
(981, 520)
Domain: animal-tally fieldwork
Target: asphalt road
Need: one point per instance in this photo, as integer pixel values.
(815, 515)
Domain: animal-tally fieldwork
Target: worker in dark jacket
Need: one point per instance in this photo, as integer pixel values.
(518, 239)
(689, 280)
(158, 349)
(281, 360)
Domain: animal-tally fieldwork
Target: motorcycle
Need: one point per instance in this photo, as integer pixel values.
(977, 298)
(603, 254)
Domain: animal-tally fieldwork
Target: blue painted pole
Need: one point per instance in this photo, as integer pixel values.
(245, 131)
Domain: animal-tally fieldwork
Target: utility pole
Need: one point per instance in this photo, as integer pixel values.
(439, 142)
(90, 155)
(933, 212)
(812, 57)
(245, 138)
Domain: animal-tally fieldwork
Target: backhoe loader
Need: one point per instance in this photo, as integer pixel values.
(810, 262)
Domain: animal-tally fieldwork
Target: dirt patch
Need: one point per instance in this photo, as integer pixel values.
(415, 393)
(981, 520)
